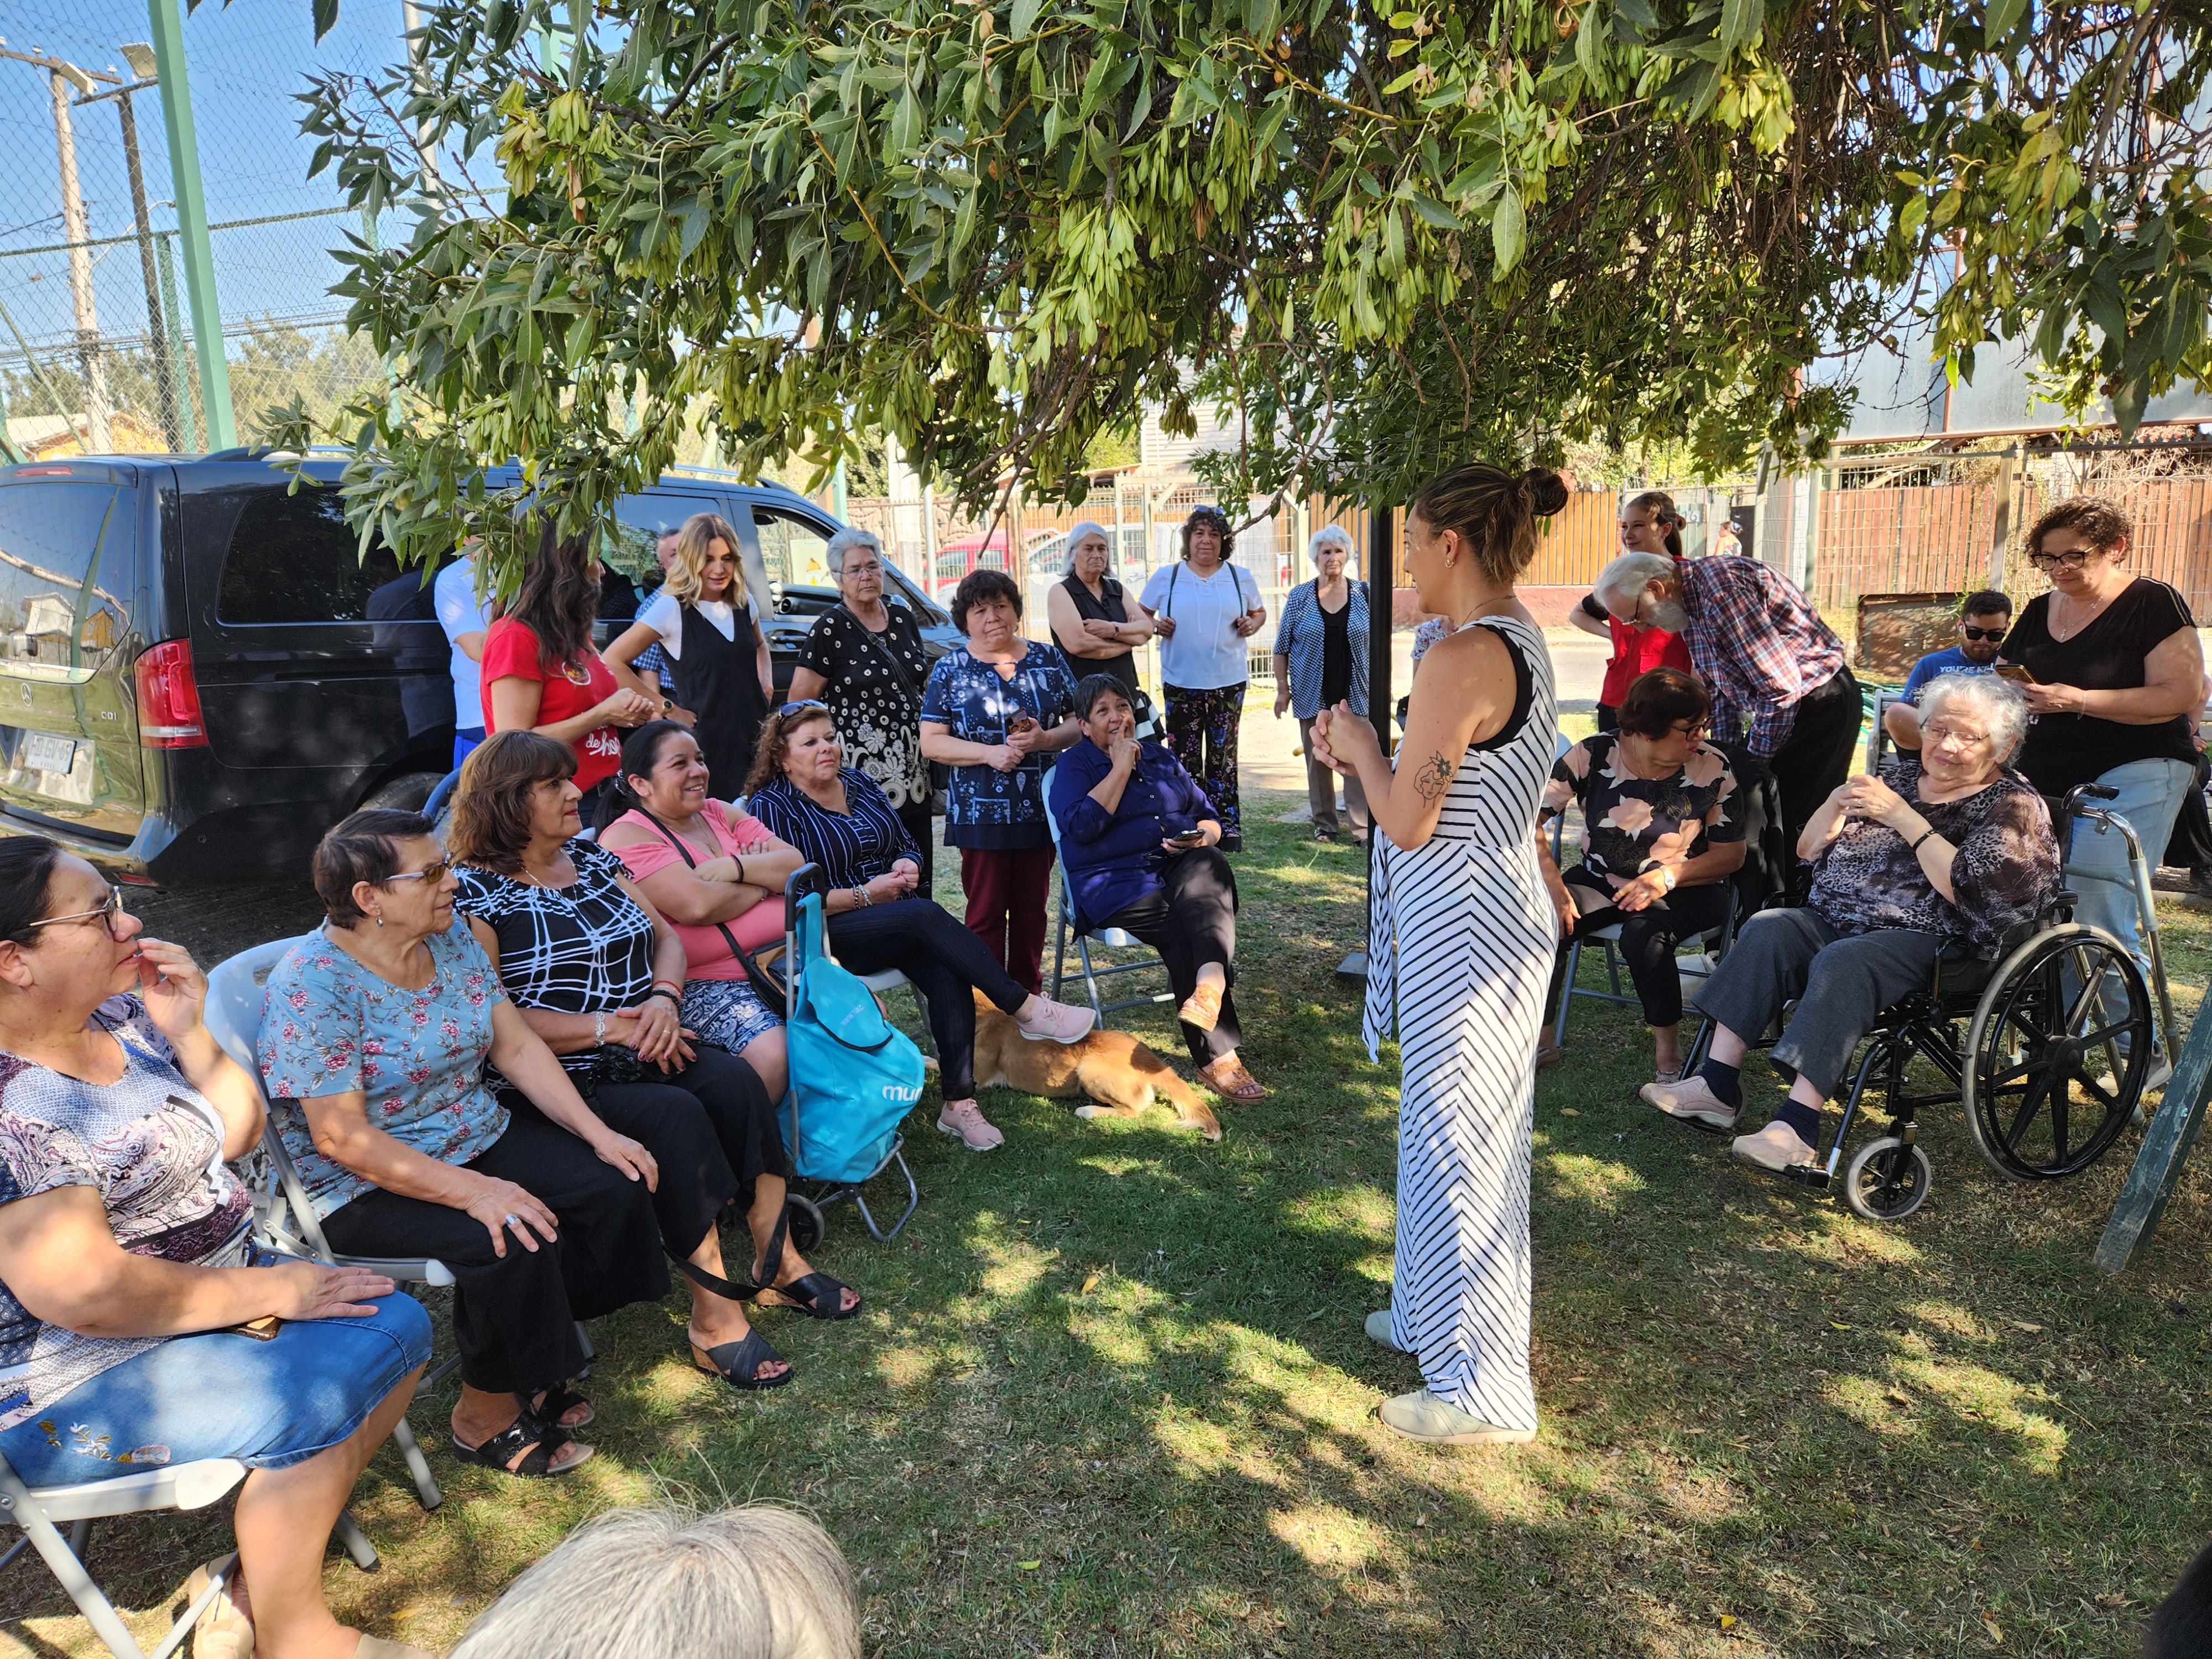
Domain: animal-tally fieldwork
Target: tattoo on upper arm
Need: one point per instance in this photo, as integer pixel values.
(1433, 777)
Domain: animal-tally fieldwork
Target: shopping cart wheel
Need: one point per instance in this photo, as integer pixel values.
(806, 1227)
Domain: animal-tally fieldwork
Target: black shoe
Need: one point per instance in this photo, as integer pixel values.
(1232, 844)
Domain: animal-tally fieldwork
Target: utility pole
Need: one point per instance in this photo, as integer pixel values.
(168, 26)
(141, 59)
(97, 438)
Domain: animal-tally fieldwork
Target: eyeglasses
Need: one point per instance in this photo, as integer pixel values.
(1935, 732)
(2053, 560)
(110, 913)
(1696, 730)
(1991, 634)
(871, 568)
(430, 872)
(791, 708)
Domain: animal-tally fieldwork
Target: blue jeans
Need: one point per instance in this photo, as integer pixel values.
(2151, 793)
(217, 1394)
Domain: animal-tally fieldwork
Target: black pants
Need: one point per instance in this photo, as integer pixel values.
(2189, 846)
(711, 1127)
(1648, 942)
(1818, 754)
(946, 962)
(1192, 921)
(514, 1317)
(916, 817)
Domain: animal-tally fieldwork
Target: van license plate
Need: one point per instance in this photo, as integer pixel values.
(42, 751)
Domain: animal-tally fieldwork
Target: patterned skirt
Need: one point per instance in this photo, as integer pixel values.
(725, 1012)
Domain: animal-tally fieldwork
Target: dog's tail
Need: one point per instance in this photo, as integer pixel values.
(1191, 1111)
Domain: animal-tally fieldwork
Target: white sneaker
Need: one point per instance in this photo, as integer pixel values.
(1774, 1148)
(1421, 1416)
(1378, 1326)
(1055, 1022)
(965, 1118)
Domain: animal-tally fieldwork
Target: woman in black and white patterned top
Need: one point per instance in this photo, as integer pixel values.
(599, 975)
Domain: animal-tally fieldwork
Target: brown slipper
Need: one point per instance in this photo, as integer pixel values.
(1228, 1079)
(1201, 1008)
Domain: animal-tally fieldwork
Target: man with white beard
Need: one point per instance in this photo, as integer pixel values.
(1779, 684)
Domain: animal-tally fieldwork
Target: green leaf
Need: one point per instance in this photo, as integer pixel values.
(1998, 19)
(1024, 19)
(1509, 226)
(2127, 402)
(1588, 51)
(1741, 22)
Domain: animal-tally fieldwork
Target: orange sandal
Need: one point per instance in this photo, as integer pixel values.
(1202, 1008)
(1228, 1078)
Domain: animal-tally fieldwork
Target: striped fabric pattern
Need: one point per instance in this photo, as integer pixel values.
(1460, 942)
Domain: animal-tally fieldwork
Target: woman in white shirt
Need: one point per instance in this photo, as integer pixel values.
(1204, 609)
(723, 675)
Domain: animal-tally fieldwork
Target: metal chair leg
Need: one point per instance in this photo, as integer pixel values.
(1567, 993)
(426, 1484)
(1059, 950)
(1090, 979)
(80, 1538)
(63, 1563)
(348, 1532)
(921, 1012)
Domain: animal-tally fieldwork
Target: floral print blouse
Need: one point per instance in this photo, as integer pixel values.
(1631, 823)
(2005, 870)
(985, 807)
(331, 1026)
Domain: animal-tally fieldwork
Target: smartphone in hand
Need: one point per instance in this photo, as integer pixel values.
(1189, 838)
(2015, 673)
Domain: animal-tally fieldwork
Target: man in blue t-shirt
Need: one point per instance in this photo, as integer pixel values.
(1983, 621)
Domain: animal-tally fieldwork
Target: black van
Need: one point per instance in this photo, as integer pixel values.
(199, 674)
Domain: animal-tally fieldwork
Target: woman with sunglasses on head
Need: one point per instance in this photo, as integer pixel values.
(372, 1047)
(708, 627)
(877, 920)
(717, 875)
(598, 974)
(126, 1262)
(2116, 676)
(1661, 837)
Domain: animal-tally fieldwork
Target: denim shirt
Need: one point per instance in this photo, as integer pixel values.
(1113, 860)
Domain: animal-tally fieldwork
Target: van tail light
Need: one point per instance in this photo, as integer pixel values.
(169, 698)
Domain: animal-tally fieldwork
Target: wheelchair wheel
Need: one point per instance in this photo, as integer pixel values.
(806, 1226)
(1888, 1180)
(2042, 1046)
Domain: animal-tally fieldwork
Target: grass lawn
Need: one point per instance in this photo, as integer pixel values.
(1111, 1396)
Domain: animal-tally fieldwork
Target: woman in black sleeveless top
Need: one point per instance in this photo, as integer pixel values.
(1089, 616)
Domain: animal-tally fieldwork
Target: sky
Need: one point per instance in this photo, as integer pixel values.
(245, 62)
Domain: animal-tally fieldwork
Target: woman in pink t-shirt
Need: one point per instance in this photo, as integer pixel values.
(715, 874)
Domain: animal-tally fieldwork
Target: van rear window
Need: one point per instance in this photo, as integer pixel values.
(293, 559)
(53, 608)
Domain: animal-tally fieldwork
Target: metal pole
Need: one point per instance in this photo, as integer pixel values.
(1381, 571)
(157, 330)
(169, 26)
(180, 381)
(97, 438)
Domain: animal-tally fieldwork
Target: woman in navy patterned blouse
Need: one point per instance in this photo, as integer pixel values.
(808, 797)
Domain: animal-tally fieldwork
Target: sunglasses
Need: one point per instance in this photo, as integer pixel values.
(1991, 634)
(110, 913)
(791, 708)
(429, 872)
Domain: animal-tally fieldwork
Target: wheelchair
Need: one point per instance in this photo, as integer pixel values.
(2049, 1072)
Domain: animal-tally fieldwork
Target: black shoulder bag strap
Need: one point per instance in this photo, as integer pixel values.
(898, 669)
(763, 983)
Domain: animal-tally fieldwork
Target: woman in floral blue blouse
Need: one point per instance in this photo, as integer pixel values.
(994, 711)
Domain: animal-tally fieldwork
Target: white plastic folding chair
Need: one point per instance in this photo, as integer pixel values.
(285, 1219)
(1109, 938)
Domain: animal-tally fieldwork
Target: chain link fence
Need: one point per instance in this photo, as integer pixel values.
(96, 343)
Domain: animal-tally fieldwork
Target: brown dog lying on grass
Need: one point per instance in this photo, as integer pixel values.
(1115, 1070)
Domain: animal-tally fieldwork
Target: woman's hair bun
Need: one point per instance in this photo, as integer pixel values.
(1547, 491)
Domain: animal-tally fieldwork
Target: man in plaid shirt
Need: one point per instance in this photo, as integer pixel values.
(1775, 670)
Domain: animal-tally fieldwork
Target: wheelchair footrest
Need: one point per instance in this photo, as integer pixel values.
(1815, 1176)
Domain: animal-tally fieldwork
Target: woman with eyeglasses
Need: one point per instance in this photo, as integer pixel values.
(372, 1044)
(1661, 835)
(127, 1264)
(864, 658)
(876, 916)
(2113, 672)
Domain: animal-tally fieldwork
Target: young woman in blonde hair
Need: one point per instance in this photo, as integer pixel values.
(709, 629)
(1460, 938)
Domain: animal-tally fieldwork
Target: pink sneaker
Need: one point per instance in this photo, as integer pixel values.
(965, 1118)
(1055, 1022)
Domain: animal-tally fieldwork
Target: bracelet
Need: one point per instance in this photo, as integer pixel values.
(598, 1030)
(666, 984)
(866, 898)
(674, 1000)
(1924, 835)
(740, 863)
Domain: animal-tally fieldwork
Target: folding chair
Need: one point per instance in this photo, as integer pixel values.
(1109, 938)
(285, 1219)
(890, 979)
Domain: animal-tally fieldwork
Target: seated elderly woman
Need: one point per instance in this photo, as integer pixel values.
(717, 875)
(1661, 837)
(599, 973)
(836, 817)
(1938, 856)
(372, 1046)
(1141, 844)
(126, 1267)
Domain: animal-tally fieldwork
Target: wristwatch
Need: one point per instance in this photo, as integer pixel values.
(1667, 877)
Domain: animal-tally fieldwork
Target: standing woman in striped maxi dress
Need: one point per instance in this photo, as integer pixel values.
(1460, 936)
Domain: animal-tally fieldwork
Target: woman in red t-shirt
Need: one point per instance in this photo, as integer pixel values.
(540, 672)
(1649, 524)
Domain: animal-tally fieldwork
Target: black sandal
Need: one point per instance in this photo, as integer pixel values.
(556, 1404)
(738, 1364)
(498, 1452)
(817, 1296)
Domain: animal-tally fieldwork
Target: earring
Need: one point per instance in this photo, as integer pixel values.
(379, 921)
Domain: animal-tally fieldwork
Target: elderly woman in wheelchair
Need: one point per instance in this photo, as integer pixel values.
(1919, 875)
(137, 1327)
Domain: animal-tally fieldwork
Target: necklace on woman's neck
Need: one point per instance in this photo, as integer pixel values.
(2095, 608)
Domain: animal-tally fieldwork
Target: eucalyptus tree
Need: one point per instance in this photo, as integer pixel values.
(1393, 235)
